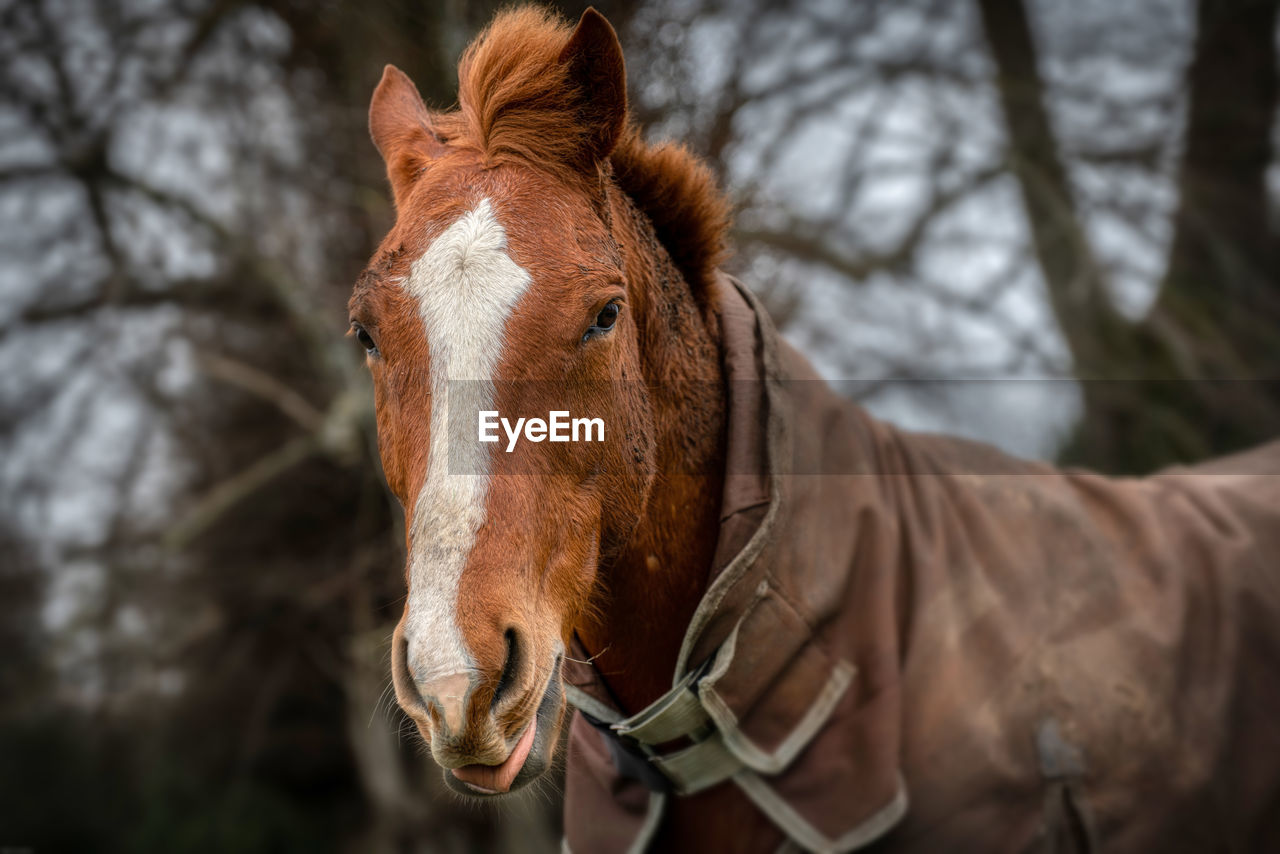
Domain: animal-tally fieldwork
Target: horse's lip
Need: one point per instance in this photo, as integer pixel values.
(496, 779)
(533, 745)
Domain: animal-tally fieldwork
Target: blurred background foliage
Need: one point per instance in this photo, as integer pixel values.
(1048, 225)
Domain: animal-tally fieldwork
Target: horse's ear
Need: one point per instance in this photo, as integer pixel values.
(594, 57)
(401, 129)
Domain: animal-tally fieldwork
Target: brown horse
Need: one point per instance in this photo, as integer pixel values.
(776, 616)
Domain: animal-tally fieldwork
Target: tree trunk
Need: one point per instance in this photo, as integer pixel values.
(1190, 380)
(1075, 290)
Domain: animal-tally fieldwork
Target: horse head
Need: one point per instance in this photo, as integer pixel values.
(506, 287)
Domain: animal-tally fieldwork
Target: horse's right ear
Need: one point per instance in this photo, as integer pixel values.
(401, 129)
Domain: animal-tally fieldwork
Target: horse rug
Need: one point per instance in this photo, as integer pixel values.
(922, 644)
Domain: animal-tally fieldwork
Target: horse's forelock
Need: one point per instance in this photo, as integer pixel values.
(519, 100)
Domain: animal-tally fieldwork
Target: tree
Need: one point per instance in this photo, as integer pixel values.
(1196, 375)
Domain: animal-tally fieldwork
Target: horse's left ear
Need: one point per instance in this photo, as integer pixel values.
(594, 57)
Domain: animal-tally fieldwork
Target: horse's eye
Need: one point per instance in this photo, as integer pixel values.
(365, 339)
(607, 316)
(605, 320)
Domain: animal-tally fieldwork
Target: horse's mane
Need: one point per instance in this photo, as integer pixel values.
(517, 101)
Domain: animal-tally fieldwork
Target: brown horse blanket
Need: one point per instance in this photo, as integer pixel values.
(921, 644)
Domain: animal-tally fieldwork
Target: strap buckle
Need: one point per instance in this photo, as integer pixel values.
(630, 758)
(678, 714)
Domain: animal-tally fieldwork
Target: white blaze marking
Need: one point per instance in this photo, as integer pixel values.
(466, 286)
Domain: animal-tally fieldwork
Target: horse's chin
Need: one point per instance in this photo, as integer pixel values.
(546, 723)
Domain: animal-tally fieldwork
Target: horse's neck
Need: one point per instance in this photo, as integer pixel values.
(653, 587)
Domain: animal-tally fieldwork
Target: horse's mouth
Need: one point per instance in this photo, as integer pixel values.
(528, 760)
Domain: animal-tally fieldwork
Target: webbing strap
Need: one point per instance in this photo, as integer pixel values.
(699, 766)
(676, 714)
(630, 759)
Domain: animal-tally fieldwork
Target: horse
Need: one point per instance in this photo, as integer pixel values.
(766, 620)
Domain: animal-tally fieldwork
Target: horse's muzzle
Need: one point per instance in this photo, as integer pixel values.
(490, 739)
(528, 758)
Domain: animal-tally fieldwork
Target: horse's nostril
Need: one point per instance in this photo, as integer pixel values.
(509, 668)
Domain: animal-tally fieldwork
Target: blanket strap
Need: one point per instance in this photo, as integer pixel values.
(636, 743)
